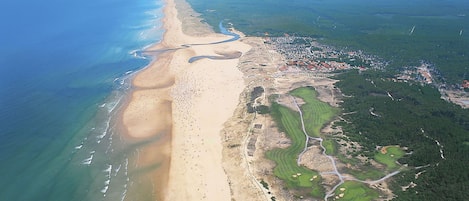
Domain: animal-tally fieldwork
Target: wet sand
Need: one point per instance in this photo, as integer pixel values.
(185, 105)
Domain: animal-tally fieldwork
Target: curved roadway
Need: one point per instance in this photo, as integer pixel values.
(336, 171)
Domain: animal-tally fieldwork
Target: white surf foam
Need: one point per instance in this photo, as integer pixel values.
(108, 170)
(88, 160)
(116, 171)
(104, 190)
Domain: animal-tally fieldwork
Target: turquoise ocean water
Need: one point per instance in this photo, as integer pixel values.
(64, 68)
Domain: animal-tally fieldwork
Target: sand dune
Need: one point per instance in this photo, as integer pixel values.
(192, 100)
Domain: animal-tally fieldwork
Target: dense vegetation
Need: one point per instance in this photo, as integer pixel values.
(386, 29)
(252, 107)
(256, 92)
(381, 28)
(411, 116)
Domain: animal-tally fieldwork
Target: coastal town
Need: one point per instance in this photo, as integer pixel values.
(310, 55)
(285, 63)
(306, 53)
(235, 100)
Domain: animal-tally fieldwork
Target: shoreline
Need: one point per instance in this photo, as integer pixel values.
(178, 109)
(196, 109)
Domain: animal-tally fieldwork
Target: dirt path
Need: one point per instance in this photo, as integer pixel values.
(342, 178)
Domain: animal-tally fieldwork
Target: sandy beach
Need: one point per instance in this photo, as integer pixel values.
(187, 104)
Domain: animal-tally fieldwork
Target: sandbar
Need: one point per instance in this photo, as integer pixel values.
(187, 103)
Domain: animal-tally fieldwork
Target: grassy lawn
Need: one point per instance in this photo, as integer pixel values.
(355, 191)
(330, 146)
(287, 169)
(366, 173)
(393, 153)
(316, 114)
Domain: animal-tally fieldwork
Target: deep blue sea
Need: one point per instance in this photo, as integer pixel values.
(64, 69)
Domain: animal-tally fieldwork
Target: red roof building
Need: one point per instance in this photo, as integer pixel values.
(465, 84)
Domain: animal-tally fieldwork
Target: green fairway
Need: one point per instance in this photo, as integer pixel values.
(330, 146)
(393, 153)
(355, 191)
(287, 169)
(366, 173)
(316, 114)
